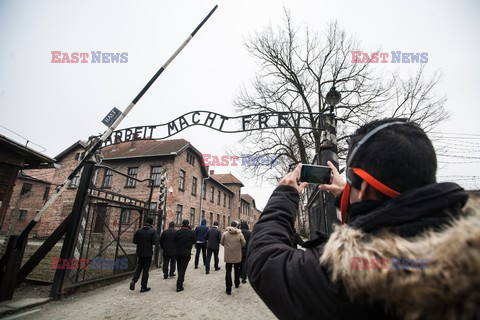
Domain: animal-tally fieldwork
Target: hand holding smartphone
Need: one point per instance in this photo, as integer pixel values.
(315, 174)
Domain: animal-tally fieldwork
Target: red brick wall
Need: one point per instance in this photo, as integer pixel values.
(30, 203)
(59, 210)
(63, 206)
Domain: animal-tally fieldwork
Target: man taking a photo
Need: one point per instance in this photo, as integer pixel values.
(392, 209)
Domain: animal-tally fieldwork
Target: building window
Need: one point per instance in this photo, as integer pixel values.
(192, 216)
(224, 199)
(107, 180)
(194, 186)
(26, 188)
(228, 220)
(125, 216)
(132, 172)
(211, 218)
(229, 202)
(155, 175)
(179, 214)
(190, 158)
(218, 219)
(22, 214)
(75, 181)
(152, 211)
(79, 155)
(46, 192)
(181, 183)
(204, 191)
(223, 221)
(219, 197)
(212, 194)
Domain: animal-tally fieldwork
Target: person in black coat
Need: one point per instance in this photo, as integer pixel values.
(168, 247)
(144, 238)
(184, 241)
(213, 237)
(246, 234)
(405, 249)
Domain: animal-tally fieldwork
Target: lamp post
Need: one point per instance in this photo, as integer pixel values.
(329, 152)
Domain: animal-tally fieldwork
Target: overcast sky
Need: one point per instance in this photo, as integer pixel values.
(55, 105)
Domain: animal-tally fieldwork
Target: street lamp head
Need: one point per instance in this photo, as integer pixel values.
(333, 97)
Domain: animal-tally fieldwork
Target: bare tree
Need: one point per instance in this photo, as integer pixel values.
(298, 68)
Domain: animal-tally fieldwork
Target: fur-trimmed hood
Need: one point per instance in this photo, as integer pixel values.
(446, 287)
(233, 230)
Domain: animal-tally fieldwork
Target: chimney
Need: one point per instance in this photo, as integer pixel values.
(212, 172)
(133, 145)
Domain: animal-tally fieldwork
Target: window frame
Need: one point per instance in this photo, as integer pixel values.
(192, 216)
(130, 182)
(155, 176)
(122, 215)
(46, 193)
(179, 213)
(194, 186)
(22, 215)
(108, 177)
(181, 180)
(26, 188)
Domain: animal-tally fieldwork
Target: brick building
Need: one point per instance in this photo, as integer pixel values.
(15, 159)
(248, 210)
(220, 199)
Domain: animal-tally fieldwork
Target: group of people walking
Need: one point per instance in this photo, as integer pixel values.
(177, 247)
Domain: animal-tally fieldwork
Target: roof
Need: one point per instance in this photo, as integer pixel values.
(221, 184)
(79, 143)
(226, 178)
(30, 158)
(145, 148)
(248, 198)
(151, 148)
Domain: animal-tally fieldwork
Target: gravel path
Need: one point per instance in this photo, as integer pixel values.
(204, 297)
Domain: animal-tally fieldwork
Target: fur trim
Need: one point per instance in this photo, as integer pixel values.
(233, 230)
(448, 288)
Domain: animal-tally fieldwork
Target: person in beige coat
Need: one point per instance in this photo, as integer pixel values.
(233, 241)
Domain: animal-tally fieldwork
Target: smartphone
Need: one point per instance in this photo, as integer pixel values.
(315, 174)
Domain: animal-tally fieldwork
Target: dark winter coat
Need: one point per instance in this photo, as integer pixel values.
(246, 234)
(200, 231)
(166, 241)
(145, 238)
(213, 236)
(328, 282)
(184, 240)
(297, 240)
